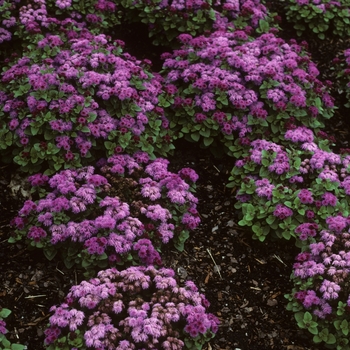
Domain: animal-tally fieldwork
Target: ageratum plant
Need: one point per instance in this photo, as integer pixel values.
(29, 21)
(342, 69)
(166, 19)
(76, 97)
(4, 342)
(231, 89)
(322, 17)
(291, 191)
(321, 295)
(124, 217)
(136, 308)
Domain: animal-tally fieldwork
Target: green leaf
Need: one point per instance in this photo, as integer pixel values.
(270, 219)
(50, 252)
(208, 141)
(205, 132)
(286, 235)
(179, 241)
(243, 223)
(264, 26)
(5, 313)
(195, 136)
(257, 229)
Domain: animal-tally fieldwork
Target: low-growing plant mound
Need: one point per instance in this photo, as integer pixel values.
(232, 89)
(284, 190)
(323, 18)
(124, 217)
(321, 296)
(28, 21)
(136, 308)
(77, 97)
(166, 19)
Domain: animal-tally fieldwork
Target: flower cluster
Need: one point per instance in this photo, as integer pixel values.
(321, 17)
(320, 276)
(166, 19)
(232, 88)
(306, 176)
(129, 309)
(122, 216)
(37, 18)
(342, 70)
(87, 96)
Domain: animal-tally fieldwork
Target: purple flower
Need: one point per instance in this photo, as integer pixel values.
(329, 199)
(149, 317)
(305, 196)
(306, 230)
(282, 212)
(336, 223)
(264, 188)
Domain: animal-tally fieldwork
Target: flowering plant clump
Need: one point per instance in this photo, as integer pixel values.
(321, 294)
(39, 17)
(136, 308)
(167, 19)
(291, 190)
(126, 219)
(4, 342)
(342, 70)
(73, 97)
(233, 89)
(322, 17)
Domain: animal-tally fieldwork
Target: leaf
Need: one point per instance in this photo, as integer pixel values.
(286, 235)
(208, 141)
(299, 316)
(264, 26)
(179, 243)
(50, 253)
(205, 132)
(257, 229)
(270, 219)
(195, 136)
(243, 223)
(5, 313)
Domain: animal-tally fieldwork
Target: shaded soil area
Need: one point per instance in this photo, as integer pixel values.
(245, 280)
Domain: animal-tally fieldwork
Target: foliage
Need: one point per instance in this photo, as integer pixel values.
(5, 344)
(93, 222)
(320, 297)
(280, 188)
(28, 21)
(230, 88)
(322, 17)
(166, 19)
(74, 98)
(140, 307)
(342, 70)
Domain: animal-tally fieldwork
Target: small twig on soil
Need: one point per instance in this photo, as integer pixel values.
(279, 259)
(217, 267)
(59, 271)
(35, 296)
(216, 168)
